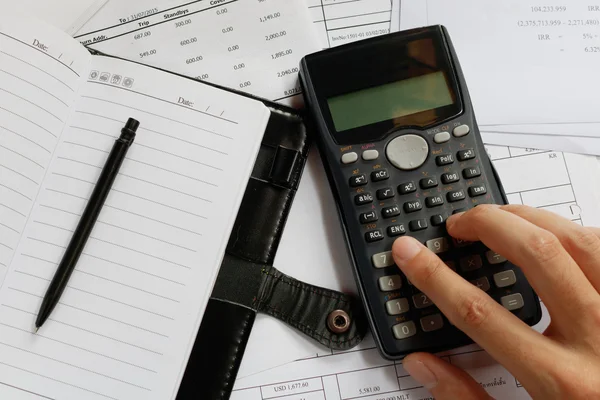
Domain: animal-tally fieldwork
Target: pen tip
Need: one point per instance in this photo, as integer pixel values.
(37, 328)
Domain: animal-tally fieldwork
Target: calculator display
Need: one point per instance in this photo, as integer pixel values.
(392, 100)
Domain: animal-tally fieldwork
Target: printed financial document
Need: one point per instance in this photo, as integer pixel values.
(250, 46)
(568, 184)
(524, 61)
(342, 21)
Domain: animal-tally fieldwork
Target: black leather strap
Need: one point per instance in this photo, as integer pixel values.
(303, 306)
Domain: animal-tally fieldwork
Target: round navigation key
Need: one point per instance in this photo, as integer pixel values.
(407, 152)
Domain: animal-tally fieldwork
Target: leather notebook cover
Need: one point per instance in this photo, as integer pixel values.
(248, 283)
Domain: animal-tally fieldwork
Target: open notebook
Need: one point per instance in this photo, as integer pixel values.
(125, 324)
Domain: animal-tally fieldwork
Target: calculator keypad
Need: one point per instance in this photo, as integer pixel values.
(393, 199)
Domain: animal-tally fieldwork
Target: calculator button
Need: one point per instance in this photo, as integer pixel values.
(407, 152)
(349, 158)
(427, 183)
(461, 243)
(358, 180)
(477, 190)
(365, 218)
(380, 175)
(437, 220)
(374, 236)
(390, 282)
(470, 263)
(417, 225)
(412, 206)
(444, 159)
(363, 198)
(396, 230)
(370, 155)
(456, 195)
(398, 306)
(450, 178)
(382, 260)
(407, 187)
(471, 172)
(459, 210)
(404, 330)
(432, 323)
(389, 212)
(460, 131)
(512, 301)
(441, 137)
(434, 201)
(421, 300)
(438, 245)
(464, 155)
(385, 193)
(505, 278)
(481, 283)
(494, 258)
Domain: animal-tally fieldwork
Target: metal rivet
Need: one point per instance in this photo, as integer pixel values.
(338, 321)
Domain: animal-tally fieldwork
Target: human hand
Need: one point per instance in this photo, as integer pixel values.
(560, 259)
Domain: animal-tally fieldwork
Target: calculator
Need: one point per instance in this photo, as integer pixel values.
(402, 151)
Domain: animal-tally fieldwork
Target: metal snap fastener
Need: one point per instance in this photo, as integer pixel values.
(338, 321)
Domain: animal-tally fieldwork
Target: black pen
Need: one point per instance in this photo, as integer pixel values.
(87, 221)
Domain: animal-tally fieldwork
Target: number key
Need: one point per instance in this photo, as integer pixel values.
(382, 260)
(404, 330)
(421, 300)
(438, 245)
(390, 282)
(397, 306)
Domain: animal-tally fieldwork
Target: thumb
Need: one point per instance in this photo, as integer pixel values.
(443, 380)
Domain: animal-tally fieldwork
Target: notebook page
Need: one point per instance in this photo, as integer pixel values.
(125, 325)
(39, 75)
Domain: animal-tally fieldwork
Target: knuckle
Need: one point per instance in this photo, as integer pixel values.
(474, 310)
(584, 240)
(427, 271)
(543, 246)
(480, 212)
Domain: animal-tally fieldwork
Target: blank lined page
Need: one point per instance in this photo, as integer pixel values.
(39, 76)
(125, 325)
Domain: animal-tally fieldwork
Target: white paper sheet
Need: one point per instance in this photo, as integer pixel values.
(127, 320)
(250, 46)
(568, 143)
(524, 62)
(568, 184)
(342, 21)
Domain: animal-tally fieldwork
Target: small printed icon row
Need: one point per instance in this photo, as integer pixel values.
(114, 79)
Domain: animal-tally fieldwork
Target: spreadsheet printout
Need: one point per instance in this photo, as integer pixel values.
(524, 62)
(568, 184)
(341, 21)
(249, 45)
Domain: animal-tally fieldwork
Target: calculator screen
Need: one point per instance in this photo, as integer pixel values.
(392, 100)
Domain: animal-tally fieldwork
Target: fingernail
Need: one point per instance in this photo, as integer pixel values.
(420, 373)
(405, 249)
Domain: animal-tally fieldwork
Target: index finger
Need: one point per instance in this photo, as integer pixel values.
(472, 310)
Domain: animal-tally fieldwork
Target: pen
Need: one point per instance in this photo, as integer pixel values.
(87, 221)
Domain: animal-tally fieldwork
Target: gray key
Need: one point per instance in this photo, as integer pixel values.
(369, 155)
(505, 278)
(390, 282)
(421, 300)
(482, 283)
(470, 263)
(404, 330)
(494, 258)
(382, 260)
(407, 152)
(438, 245)
(349, 158)
(398, 306)
(512, 301)
(441, 137)
(432, 323)
(461, 130)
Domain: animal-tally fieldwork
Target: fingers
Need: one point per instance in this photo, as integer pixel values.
(583, 244)
(443, 380)
(497, 330)
(552, 272)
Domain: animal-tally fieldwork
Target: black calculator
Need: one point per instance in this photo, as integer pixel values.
(401, 147)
